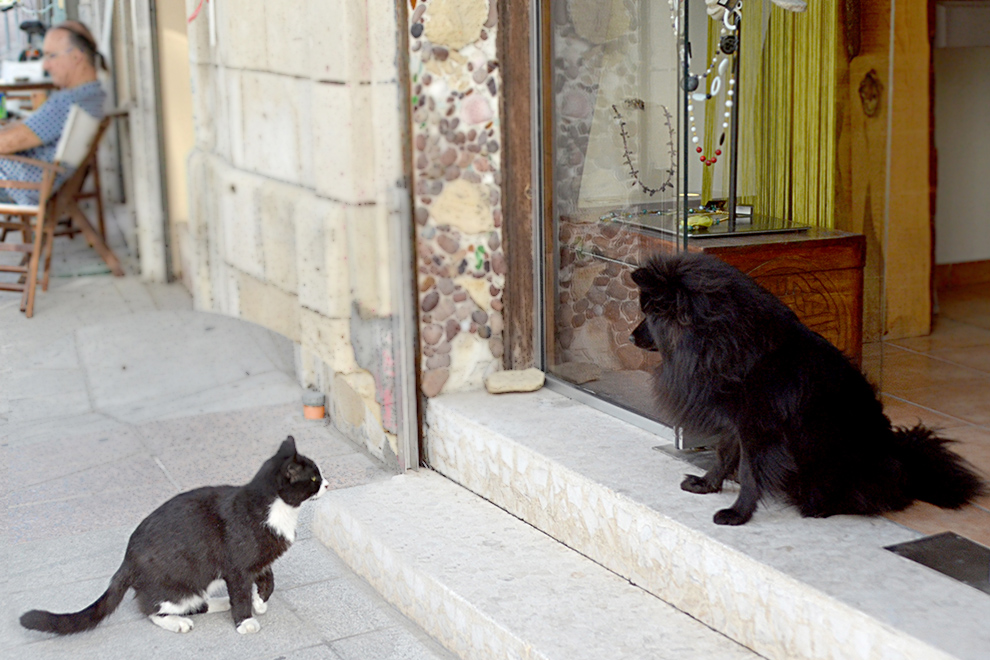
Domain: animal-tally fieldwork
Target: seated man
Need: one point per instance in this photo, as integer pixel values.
(70, 58)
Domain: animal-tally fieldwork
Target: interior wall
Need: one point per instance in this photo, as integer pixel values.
(887, 119)
(863, 135)
(962, 137)
(908, 276)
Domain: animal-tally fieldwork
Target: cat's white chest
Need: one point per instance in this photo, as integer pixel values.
(282, 519)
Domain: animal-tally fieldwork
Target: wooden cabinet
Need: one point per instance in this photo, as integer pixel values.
(818, 274)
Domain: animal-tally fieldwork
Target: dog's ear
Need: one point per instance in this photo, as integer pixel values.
(684, 312)
(642, 277)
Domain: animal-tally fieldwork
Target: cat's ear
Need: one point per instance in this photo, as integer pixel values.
(288, 447)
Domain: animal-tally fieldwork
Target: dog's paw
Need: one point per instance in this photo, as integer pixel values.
(695, 484)
(248, 626)
(731, 517)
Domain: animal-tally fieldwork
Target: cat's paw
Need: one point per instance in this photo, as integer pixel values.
(172, 622)
(248, 626)
(218, 604)
(259, 605)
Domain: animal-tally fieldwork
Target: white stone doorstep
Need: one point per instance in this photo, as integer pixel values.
(784, 586)
(489, 586)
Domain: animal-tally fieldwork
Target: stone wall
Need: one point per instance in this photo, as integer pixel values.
(298, 143)
(456, 87)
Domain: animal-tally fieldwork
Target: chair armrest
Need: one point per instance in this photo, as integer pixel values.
(43, 164)
(20, 185)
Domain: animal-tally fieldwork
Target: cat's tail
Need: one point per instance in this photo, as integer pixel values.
(87, 619)
(935, 473)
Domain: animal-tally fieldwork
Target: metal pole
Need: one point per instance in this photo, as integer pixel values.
(686, 96)
(734, 129)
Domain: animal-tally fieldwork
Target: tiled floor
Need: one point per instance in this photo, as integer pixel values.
(944, 381)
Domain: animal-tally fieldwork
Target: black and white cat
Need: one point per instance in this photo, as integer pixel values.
(189, 546)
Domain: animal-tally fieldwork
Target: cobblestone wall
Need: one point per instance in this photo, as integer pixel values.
(454, 73)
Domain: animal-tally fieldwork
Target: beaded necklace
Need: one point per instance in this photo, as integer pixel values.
(722, 65)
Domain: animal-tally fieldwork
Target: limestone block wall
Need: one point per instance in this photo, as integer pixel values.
(299, 131)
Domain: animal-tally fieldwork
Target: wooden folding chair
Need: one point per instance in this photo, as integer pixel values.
(75, 149)
(65, 202)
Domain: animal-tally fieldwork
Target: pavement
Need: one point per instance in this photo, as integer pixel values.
(116, 396)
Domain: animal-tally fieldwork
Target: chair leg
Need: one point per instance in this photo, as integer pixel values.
(27, 304)
(94, 239)
(99, 197)
(49, 243)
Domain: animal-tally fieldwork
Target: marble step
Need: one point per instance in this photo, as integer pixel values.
(489, 586)
(784, 586)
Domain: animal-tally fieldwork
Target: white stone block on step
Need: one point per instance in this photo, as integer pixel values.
(512, 380)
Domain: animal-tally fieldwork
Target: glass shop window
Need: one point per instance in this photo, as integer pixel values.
(612, 175)
(643, 105)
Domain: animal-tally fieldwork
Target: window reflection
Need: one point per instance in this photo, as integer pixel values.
(614, 182)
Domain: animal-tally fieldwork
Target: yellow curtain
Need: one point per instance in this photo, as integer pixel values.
(788, 133)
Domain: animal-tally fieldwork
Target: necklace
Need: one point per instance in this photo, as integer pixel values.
(627, 155)
(721, 63)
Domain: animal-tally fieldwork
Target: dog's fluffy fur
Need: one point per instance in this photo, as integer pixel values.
(788, 413)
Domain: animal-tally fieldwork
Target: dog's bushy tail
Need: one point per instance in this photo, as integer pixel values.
(935, 473)
(87, 619)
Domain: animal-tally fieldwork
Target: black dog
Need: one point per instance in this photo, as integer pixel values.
(789, 413)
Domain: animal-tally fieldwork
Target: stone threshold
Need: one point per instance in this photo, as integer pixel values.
(781, 585)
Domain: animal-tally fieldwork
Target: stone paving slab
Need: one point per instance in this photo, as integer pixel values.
(80, 469)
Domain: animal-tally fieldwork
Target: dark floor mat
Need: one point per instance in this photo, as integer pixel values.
(952, 555)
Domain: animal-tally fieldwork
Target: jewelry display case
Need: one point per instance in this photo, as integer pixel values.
(648, 147)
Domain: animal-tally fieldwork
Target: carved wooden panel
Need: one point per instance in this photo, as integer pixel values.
(821, 280)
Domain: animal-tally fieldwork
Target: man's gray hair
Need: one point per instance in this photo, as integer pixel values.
(82, 40)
